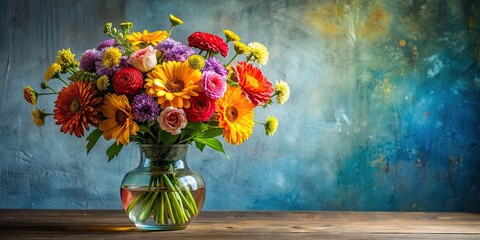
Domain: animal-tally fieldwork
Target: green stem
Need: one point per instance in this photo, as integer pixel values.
(62, 80)
(231, 60)
(39, 94)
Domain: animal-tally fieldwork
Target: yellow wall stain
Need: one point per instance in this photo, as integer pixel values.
(326, 18)
(376, 25)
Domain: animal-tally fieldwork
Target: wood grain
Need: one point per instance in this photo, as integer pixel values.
(112, 224)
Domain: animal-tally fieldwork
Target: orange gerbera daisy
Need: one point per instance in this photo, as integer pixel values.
(253, 83)
(173, 83)
(235, 116)
(119, 123)
(140, 40)
(76, 107)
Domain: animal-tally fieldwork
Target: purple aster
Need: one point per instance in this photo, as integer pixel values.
(144, 108)
(213, 64)
(87, 60)
(174, 50)
(106, 43)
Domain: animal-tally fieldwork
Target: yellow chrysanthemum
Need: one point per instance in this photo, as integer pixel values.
(52, 71)
(196, 61)
(282, 90)
(241, 48)
(111, 57)
(173, 83)
(103, 83)
(259, 52)
(230, 35)
(138, 39)
(65, 58)
(38, 117)
(119, 123)
(235, 116)
(271, 125)
(175, 20)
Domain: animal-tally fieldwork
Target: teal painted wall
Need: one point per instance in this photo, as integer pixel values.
(384, 111)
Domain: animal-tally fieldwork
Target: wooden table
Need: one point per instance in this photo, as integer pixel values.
(95, 224)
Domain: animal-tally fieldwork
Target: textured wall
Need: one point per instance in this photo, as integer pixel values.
(384, 112)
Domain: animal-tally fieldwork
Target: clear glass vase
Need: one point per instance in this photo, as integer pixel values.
(162, 193)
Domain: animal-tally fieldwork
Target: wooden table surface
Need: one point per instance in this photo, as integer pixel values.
(112, 224)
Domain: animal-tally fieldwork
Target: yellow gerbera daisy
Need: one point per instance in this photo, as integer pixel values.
(173, 83)
(119, 123)
(52, 71)
(235, 116)
(138, 39)
(271, 125)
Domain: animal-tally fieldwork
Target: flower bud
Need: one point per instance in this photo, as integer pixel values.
(107, 27)
(126, 26)
(175, 20)
(44, 85)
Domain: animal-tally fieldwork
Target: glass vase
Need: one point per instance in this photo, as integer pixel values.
(162, 193)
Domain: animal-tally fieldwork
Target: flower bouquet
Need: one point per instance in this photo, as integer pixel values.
(148, 88)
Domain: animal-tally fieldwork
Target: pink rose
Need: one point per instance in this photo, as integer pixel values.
(144, 59)
(201, 108)
(127, 81)
(172, 120)
(213, 84)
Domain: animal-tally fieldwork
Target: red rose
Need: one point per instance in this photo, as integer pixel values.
(127, 81)
(201, 108)
(207, 41)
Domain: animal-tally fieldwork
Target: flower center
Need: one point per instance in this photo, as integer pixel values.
(120, 117)
(74, 105)
(231, 113)
(175, 85)
(252, 81)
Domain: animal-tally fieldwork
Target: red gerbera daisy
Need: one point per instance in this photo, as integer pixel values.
(76, 107)
(253, 83)
(207, 41)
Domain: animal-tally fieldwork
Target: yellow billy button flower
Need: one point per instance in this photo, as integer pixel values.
(65, 58)
(52, 71)
(230, 35)
(38, 117)
(175, 21)
(282, 90)
(103, 83)
(30, 95)
(111, 57)
(196, 61)
(241, 48)
(271, 125)
(259, 52)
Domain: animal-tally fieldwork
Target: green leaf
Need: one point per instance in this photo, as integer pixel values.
(93, 138)
(200, 146)
(114, 150)
(198, 126)
(166, 137)
(213, 143)
(210, 133)
(143, 129)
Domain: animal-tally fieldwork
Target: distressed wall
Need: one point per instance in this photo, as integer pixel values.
(384, 111)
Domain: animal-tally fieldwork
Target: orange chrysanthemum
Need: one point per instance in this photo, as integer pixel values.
(173, 84)
(253, 83)
(235, 116)
(119, 123)
(76, 107)
(146, 38)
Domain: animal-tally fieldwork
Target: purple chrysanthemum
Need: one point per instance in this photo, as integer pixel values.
(213, 84)
(87, 61)
(106, 43)
(213, 64)
(174, 50)
(144, 108)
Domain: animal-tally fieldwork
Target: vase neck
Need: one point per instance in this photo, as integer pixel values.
(163, 157)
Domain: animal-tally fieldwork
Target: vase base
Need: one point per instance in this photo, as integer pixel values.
(160, 227)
